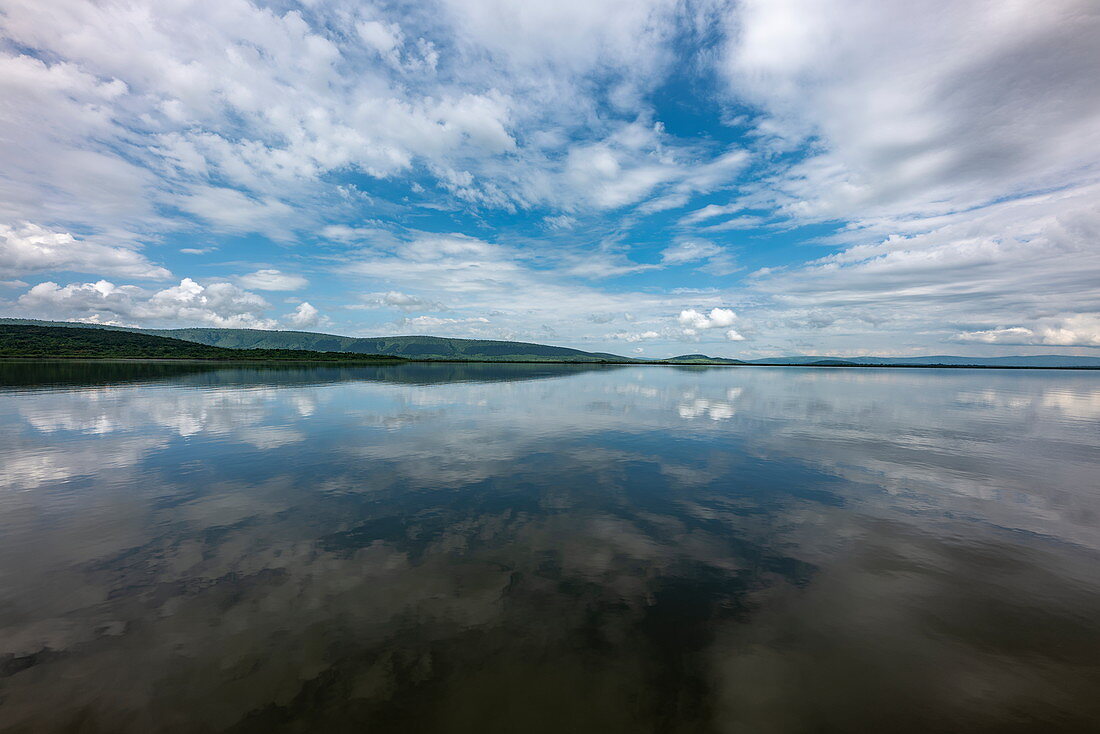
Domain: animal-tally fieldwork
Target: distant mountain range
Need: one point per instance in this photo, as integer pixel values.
(442, 348)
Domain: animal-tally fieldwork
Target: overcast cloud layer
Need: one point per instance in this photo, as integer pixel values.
(638, 176)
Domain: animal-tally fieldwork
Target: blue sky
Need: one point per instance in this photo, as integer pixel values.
(747, 178)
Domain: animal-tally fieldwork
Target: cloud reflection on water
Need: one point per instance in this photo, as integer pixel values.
(607, 549)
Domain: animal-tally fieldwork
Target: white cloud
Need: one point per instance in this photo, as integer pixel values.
(242, 113)
(717, 318)
(913, 111)
(634, 336)
(272, 280)
(560, 222)
(925, 139)
(402, 301)
(54, 163)
(687, 251)
(965, 165)
(567, 38)
(345, 234)
(1013, 335)
(305, 316)
(431, 322)
(699, 178)
(385, 38)
(718, 260)
(189, 303)
(30, 248)
(609, 179)
(603, 263)
(1078, 330)
(243, 110)
(736, 223)
(1009, 265)
(521, 297)
(232, 211)
(709, 212)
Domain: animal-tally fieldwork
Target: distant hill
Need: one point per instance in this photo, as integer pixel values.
(832, 363)
(1039, 360)
(413, 347)
(701, 359)
(67, 342)
(443, 348)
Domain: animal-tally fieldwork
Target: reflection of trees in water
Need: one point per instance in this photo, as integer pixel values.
(75, 373)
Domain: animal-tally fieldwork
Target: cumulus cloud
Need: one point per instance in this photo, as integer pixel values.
(305, 316)
(195, 80)
(716, 319)
(216, 304)
(30, 248)
(272, 280)
(240, 134)
(691, 322)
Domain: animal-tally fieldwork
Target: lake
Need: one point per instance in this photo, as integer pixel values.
(547, 548)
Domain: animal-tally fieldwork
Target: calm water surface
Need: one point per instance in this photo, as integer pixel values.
(518, 548)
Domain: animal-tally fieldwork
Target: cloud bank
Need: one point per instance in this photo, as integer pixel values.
(849, 176)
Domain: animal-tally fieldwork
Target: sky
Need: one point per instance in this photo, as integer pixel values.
(644, 177)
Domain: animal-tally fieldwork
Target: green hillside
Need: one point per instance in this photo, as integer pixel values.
(67, 342)
(412, 347)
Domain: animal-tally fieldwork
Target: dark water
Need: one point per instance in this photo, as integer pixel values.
(511, 548)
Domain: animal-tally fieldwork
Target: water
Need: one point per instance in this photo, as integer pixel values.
(519, 548)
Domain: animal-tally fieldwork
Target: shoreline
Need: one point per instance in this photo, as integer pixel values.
(405, 360)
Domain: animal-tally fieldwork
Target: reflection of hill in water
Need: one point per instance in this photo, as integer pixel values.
(43, 374)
